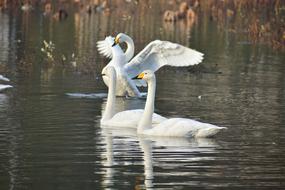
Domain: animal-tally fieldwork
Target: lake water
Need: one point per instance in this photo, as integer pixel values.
(49, 140)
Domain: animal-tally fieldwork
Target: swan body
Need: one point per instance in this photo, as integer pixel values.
(154, 56)
(132, 117)
(124, 84)
(175, 127)
(128, 118)
(4, 86)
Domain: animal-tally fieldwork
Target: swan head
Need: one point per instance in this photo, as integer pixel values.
(146, 75)
(121, 37)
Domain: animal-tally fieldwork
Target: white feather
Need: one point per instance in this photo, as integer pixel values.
(173, 127)
(154, 56)
(160, 53)
(130, 119)
(104, 48)
(126, 119)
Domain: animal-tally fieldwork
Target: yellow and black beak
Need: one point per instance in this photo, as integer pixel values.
(140, 76)
(116, 41)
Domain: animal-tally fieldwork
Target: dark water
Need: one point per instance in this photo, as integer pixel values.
(49, 140)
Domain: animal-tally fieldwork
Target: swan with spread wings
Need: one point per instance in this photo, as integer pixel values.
(154, 56)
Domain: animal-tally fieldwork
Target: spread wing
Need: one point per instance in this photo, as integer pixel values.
(105, 48)
(159, 53)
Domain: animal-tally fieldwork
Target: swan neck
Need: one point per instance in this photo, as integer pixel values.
(110, 105)
(117, 50)
(130, 48)
(146, 120)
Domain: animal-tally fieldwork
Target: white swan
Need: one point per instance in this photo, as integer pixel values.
(124, 84)
(155, 55)
(4, 86)
(169, 127)
(128, 118)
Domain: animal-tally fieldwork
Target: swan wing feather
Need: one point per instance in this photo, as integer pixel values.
(104, 47)
(160, 53)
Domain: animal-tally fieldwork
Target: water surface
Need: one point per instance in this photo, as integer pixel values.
(49, 140)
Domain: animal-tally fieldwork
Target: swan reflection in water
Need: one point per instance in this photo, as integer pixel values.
(126, 141)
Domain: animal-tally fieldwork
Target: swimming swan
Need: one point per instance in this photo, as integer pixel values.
(128, 118)
(3, 86)
(170, 127)
(155, 55)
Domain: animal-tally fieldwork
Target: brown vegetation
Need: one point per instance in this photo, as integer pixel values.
(261, 20)
(184, 11)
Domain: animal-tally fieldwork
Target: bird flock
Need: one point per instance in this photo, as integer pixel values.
(126, 72)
